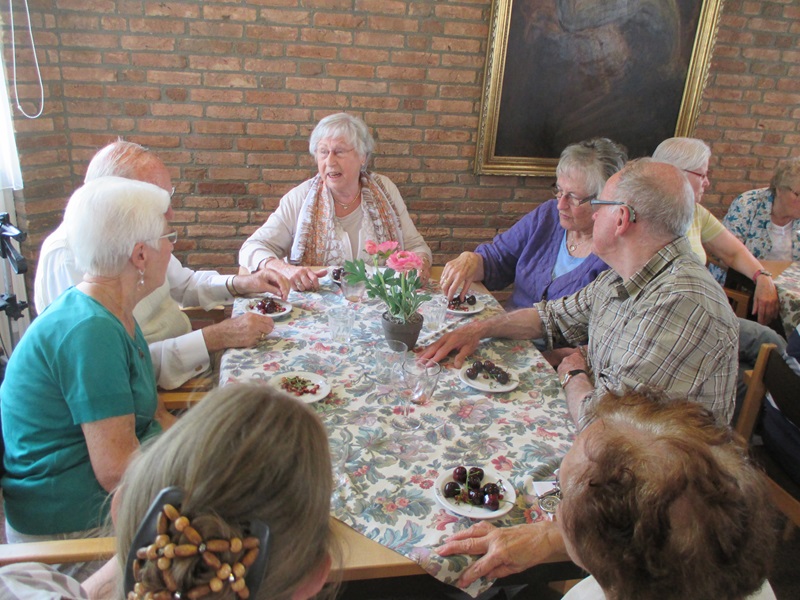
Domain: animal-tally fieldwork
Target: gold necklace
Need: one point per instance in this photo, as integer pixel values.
(347, 205)
(573, 246)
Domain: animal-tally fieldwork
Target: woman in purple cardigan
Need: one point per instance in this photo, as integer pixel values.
(548, 253)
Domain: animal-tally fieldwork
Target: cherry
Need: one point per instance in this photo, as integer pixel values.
(460, 474)
(477, 472)
(451, 489)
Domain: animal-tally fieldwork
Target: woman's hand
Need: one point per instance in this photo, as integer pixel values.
(458, 274)
(765, 300)
(505, 550)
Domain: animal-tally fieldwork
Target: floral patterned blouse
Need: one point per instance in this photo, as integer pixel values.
(748, 219)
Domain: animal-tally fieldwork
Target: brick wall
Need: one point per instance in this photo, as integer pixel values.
(228, 92)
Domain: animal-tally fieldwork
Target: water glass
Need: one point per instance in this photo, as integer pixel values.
(340, 321)
(415, 381)
(388, 354)
(353, 292)
(341, 480)
(435, 311)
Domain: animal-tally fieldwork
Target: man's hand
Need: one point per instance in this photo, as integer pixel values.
(505, 550)
(263, 280)
(301, 279)
(244, 331)
(765, 300)
(459, 274)
(570, 362)
(464, 339)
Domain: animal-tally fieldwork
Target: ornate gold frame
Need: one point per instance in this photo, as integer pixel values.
(486, 161)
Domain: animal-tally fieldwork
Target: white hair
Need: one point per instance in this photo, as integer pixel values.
(342, 125)
(685, 153)
(107, 217)
(596, 160)
(120, 159)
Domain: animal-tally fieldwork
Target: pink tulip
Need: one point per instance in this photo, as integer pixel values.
(404, 261)
(371, 247)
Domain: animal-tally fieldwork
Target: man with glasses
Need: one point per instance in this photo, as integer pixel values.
(656, 319)
(178, 353)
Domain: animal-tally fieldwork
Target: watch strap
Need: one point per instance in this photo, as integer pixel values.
(760, 272)
(571, 374)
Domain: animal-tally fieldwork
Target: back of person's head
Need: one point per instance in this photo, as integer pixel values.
(346, 126)
(130, 160)
(596, 159)
(244, 453)
(686, 153)
(660, 194)
(106, 217)
(669, 506)
(787, 174)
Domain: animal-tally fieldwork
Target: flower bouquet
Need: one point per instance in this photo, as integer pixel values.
(398, 286)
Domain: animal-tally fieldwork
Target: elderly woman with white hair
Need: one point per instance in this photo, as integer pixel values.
(79, 393)
(327, 220)
(707, 233)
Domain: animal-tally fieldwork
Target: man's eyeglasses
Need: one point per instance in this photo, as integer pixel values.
(571, 198)
(797, 194)
(172, 236)
(615, 203)
(549, 500)
(706, 175)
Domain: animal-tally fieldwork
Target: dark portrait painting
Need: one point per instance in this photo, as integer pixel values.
(576, 69)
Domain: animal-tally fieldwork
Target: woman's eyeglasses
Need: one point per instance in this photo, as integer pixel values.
(706, 175)
(549, 500)
(571, 198)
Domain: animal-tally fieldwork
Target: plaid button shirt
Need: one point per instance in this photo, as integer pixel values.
(669, 327)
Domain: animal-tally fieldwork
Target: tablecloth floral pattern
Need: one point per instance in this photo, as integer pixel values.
(788, 284)
(389, 474)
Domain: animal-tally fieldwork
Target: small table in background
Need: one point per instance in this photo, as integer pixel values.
(787, 281)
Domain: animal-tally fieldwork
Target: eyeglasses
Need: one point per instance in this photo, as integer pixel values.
(706, 175)
(615, 203)
(172, 236)
(323, 153)
(797, 194)
(571, 198)
(549, 500)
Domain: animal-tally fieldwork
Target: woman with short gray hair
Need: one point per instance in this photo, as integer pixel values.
(548, 253)
(79, 393)
(328, 219)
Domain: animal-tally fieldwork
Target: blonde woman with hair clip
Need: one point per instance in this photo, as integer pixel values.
(233, 502)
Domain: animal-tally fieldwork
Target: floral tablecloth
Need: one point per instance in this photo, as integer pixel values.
(388, 497)
(788, 284)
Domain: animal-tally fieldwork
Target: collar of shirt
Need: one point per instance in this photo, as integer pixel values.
(660, 261)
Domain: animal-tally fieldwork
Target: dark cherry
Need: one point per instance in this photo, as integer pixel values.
(491, 501)
(474, 482)
(476, 471)
(460, 474)
(491, 488)
(471, 300)
(477, 365)
(451, 489)
(488, 365)
(502, 378)
(471, 373)
(475, 497)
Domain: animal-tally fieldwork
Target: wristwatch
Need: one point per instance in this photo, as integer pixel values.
(570, 375)
(760, 272)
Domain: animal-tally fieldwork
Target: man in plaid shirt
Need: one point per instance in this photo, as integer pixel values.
(657, 319)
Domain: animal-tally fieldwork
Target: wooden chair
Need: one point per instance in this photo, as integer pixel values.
(772, 374)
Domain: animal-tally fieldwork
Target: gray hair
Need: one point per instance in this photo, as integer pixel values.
(246, 452)
(787, 171)
(663, 202)
(107, 217)
(685, 153)
(342, 125)
(119, 159)
(596, 159)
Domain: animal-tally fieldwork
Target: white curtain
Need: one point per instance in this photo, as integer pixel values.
(10, 175)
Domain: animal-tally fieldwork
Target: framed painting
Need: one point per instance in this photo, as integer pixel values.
(562, 71)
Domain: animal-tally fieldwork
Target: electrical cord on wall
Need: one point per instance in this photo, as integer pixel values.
(35, 60)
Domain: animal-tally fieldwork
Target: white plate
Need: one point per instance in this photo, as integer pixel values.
(488, 385)
(476, 512)
(322, 392)
(287, 307)
(473, 309)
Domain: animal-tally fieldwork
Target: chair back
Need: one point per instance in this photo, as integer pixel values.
(783, 384)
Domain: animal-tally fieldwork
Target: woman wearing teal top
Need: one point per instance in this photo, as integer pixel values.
(79, 392)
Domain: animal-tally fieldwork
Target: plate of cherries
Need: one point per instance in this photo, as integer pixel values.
(474, 492)
(272, 307)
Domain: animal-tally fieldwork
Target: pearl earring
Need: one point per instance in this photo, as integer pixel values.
(141, 278)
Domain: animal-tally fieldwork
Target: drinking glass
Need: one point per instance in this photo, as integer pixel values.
(435, 311)
(341, 481)
(353, 292)
(388, 353)
(415, 381)
(340, 321)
